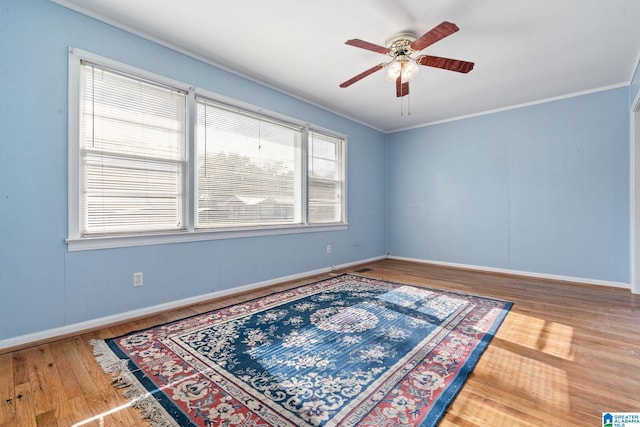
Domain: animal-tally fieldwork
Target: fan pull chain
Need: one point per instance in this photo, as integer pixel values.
(408, 105)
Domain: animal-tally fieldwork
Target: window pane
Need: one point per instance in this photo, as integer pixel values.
(326, 181)
(248, 171)
(132, 154)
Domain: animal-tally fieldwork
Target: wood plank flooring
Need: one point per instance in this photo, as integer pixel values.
(564, 354)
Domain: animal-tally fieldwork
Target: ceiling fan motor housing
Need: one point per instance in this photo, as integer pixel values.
(400, 43)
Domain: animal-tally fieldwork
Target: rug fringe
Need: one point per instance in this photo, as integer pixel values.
(139, 397)
(108, 361)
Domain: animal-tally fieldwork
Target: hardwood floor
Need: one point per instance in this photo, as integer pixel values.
(565, 354)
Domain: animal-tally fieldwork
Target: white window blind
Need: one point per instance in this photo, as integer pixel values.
(132, 154)
(326, 180)
(248, 168)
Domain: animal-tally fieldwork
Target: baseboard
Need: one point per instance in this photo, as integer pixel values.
(579, 280)
(53, 334)
(11, 344)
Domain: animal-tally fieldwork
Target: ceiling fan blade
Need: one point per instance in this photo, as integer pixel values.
(402, 88)
(445, 63)
(437, 33)
(362, 75)
(369, 46)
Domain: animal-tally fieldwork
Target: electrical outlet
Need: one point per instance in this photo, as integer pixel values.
(137, 279)
(328, 249)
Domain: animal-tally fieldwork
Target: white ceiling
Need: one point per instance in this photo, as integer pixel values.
(524, 50)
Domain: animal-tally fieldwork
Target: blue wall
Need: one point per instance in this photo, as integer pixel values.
(44, 286)
(541, 189)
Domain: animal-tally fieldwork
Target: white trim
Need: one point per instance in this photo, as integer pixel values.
(633, 208)
(345, 173)
(634, 177)
(75, 58)
(110, 242)
(121, 67)
(636, 68)
(578, 280)
(73, 143)
(517, 106)
(81, 327)
(190, 181)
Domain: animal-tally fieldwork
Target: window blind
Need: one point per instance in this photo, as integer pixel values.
(132, 154)
(248, 168)
(326, 181)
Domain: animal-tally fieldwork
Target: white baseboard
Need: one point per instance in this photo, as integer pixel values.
(579, 280)
(80, 327)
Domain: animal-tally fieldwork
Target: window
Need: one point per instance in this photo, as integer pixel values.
(248, 168)
(326, 179)
(132, 154)
(152, 160)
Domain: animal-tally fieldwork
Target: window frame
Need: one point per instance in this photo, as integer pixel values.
(310, 157)
(299, 172)
(76, 242)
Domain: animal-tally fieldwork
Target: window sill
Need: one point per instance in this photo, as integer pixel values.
(94, 243)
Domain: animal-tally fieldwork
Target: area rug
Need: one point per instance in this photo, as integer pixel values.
(346, 351)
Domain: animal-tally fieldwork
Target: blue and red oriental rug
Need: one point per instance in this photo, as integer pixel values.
(346, 351)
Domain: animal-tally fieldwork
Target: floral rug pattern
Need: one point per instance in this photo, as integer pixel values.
(346, 351)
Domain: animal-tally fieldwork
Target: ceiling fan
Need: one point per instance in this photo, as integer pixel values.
(402, 67)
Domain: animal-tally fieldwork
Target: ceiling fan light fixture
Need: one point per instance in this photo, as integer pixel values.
(394, 70)
(402, 66)
(409, 70)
